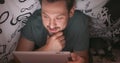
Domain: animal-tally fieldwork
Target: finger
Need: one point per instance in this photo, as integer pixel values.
(58, 34)
(74, 56)
(61, 38)
(63, 43)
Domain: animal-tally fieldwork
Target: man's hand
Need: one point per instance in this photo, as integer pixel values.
(76, 59)
(55, 42)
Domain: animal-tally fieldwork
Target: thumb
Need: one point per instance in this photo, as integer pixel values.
(74, 56)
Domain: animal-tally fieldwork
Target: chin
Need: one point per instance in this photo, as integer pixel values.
(53, 32)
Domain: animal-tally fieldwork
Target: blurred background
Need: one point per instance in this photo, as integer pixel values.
(104, 27)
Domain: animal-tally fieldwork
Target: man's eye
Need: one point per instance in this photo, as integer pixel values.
(45, 16)
(59, 18)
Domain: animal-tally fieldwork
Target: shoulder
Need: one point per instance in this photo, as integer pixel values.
(35, 18)
(78, 15)
(77, 25)
(78, 21)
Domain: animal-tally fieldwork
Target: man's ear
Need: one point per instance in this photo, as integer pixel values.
(72, 11)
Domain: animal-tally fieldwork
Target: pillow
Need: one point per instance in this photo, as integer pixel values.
(13, 15)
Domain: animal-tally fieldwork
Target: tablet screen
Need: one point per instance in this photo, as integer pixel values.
(41, 57)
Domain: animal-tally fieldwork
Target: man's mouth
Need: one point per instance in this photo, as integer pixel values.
(53, 31)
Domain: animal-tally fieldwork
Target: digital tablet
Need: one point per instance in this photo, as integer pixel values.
(41, 57)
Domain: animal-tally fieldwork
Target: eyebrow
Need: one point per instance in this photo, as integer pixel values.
(44, 13)
(57, 15)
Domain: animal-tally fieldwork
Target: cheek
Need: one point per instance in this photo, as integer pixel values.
(62, 24)
(45, 23)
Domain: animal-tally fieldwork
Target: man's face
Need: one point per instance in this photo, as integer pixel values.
(54, 16)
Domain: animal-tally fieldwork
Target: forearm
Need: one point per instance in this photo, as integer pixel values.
(44, 48)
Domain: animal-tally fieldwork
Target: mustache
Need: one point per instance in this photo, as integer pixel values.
(55, 28)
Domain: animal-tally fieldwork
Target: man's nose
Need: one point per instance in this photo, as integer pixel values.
(52, 24)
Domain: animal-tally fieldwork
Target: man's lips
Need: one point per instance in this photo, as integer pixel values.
(52, 30)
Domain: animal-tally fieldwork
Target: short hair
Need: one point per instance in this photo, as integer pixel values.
(69, 3)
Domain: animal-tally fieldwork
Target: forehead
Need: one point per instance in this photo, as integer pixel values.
(54, 7)
(52, 1)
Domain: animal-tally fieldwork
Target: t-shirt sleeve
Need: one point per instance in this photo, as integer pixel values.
(79, 31)
(28, 30)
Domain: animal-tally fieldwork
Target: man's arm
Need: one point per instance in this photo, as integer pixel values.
(54, 43)
(79, 57)
(25, 45)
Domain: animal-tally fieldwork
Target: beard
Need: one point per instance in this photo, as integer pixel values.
(55, 28)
